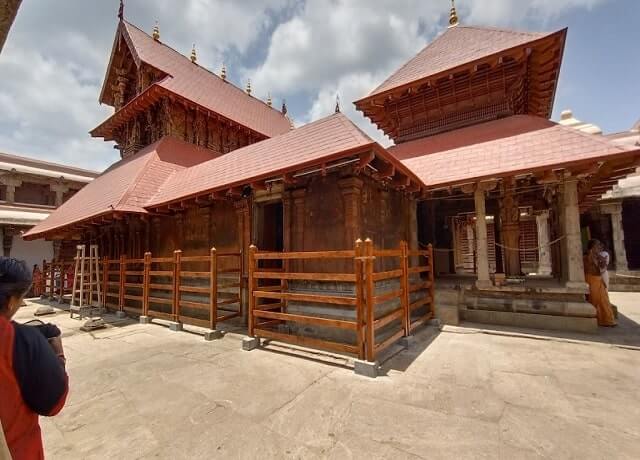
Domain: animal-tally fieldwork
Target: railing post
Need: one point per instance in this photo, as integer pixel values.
(146, 280)
(51, 279)
(175, 307)
(404, 260)
(370, 307)
(105, 280)
(431, 278)
(121, 280)
(252, 287)
(213, 289)
(360, 305)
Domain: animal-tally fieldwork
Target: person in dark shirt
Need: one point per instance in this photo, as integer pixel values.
(33, 380)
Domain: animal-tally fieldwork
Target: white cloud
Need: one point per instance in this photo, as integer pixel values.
(55, 58)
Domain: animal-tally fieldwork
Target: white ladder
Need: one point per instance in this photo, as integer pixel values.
(86, 275)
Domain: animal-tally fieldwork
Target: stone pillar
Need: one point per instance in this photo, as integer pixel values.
(11, 181)
(615, 212)
(413, 223)
(59, 189)
(544, 253)
(481, 240)
(573, 236)
(351, 188)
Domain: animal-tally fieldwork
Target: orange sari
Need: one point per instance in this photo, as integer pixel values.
(599, 296)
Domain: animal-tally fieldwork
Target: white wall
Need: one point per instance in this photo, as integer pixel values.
(32, 252)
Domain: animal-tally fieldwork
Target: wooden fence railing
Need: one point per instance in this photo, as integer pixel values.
(57, 279)
(361, 311)
(198, 290)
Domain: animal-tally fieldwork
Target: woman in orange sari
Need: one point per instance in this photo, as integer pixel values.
(598, 295)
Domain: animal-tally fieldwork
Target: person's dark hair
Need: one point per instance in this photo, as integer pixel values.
(15, 280)
(591, 244)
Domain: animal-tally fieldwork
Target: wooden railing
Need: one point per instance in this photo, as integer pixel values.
(57, 279)
(363, 312)
(198, 290)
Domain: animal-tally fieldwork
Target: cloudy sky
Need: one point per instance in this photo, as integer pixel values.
(53, 63)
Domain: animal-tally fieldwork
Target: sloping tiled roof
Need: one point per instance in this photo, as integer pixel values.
(127, 185)
(456, 46)
(197, 84)
(322, 140)
(521, 143)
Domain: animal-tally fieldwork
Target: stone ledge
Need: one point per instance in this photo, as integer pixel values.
(530, 320)
(366, 368)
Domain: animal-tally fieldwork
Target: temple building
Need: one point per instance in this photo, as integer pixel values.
(30, 190)
(477, 171)
(615, 217)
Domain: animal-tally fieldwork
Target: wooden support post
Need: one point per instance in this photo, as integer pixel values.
(105, 280)
(431, 278)
(43, 278)
(213, 289)
(121, 280)
(175, 307)
(404, 262)
(370, 307)
(360, 304)
(51, 279)
(146, 280)
(252, 287)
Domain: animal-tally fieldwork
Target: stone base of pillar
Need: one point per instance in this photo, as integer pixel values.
(213, 335)
(121, 314)
(250, 343)
(484, 284)
(577, 286)
(175, 327)
(366, 368)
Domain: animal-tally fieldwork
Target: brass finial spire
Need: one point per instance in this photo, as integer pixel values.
(269, 101)
(121, 11)
(223, 72)
(194, 57)
(248, 88)
(284, 107)
(337, 103)
(156, 32)
(453, 16)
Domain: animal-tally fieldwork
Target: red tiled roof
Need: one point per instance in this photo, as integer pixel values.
(455, 47)
(127, 185)
(311, 144)
(521, 143)
(203, 87)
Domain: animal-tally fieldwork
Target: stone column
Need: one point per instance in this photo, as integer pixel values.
(615, 211)
(59, 189)
(544, 253)
(7, 241)
(483, 281)
(11, 182)
(573, 236)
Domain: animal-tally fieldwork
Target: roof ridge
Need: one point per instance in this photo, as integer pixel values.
(48, 163)
(596, 137)
(189, 62)
(504, 30)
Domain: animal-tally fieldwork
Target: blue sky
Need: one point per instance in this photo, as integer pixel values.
(305, 51)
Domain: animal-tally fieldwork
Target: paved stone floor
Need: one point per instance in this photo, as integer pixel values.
(142, 391)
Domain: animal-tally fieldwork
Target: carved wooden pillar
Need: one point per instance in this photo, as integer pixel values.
(179, 219)
(351, 188)
(287, 206)
(510, 229)
(297, 234)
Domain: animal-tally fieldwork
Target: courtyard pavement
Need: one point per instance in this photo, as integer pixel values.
(143, 391)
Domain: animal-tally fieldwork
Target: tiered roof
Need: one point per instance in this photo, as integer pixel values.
(192, 82)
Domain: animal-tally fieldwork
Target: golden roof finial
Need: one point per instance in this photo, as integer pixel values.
(156, 32)
(223, 72)
(269, 101)
(453, 16)
(194, 57)
(248, 89)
